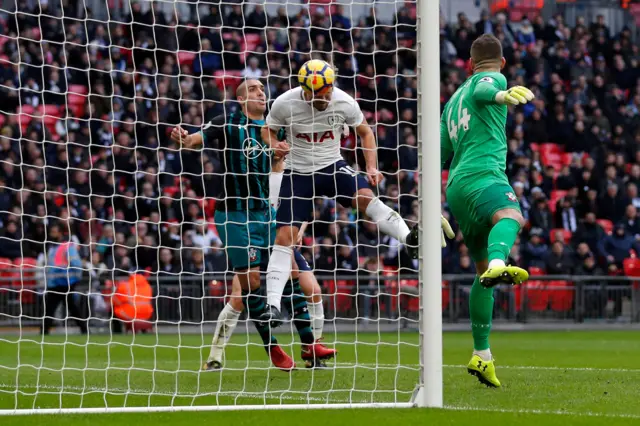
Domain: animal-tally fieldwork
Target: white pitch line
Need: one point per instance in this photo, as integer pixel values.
(545, 368)
(235, 394)
(552, 412)
(237, 365)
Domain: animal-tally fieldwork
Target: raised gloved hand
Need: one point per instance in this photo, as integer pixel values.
(446, 230)
(517, 95)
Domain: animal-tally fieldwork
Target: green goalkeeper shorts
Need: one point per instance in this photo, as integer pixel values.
(473, 209)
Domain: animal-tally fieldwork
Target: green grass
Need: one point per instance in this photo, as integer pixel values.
(549, 377)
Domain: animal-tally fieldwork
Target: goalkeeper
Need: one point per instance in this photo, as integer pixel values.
(472, 130)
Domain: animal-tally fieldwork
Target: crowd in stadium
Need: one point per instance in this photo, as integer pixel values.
(87, 108)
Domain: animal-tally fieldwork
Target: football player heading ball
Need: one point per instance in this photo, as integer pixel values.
(314, 117)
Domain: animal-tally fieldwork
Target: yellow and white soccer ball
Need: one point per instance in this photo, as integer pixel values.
(316, 76)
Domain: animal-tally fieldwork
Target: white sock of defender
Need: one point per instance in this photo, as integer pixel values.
(316, 312)
(496, 263)
(275, 181)
(227, 321)
(389, 221)
(484, 354)
(278, 273)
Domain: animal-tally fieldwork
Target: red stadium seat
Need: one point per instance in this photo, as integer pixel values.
(251, 42)
(78, 89)
(77, 103)
(410, 301)
(26, 278)
(445, 177)
(554, 197)
(551, 148)
(53, 110)
(344, 299)
(535, 271)
(26, 109)
(537, 296)
(24, 120)
(567, 158)
(226, 79)
(561, 295)
(446, 295)
(552, 159)
(606, 224)
(186, 58)
(566, 235)
(631, 267)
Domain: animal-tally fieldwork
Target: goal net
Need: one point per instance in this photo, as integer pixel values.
(108, 240)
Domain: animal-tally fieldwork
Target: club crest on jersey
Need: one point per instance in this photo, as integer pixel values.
(252, 148)
(253, 254)
(511, 196)
(335, 121)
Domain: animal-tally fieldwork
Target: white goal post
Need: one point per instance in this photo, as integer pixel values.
(92, 90)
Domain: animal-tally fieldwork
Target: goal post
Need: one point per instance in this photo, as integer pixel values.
(100, 196)
(431, 255)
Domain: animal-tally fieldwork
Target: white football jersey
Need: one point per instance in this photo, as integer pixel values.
(314, 135)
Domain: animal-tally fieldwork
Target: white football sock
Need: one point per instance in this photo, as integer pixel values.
(389, 221)
(275, 181)
(484, 354)
(316, 312)
(278, 273)
(496, 263)
(227, 321)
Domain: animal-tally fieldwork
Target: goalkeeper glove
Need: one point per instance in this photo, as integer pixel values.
(446, 229)
(517, 95)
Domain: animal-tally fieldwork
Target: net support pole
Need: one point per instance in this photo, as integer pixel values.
(431, 392)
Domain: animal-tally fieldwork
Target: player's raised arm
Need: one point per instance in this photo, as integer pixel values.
(212, 132)
(370, 152)
(275, 122)
(488, 90)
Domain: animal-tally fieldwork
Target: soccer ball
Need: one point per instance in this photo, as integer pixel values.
(316, 76)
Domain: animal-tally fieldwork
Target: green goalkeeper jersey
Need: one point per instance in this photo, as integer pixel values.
(472, 128)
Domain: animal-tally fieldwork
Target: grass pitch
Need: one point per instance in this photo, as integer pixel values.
(550, 377)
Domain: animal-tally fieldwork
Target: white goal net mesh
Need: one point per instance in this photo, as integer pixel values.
(96, 200)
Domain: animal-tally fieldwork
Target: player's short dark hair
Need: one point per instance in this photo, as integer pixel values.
(486, 48)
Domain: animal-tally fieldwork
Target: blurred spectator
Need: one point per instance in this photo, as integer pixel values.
(63, 271)
(613, 205)
(560, 261)
(589, 232)
(11, 241)
(566, 215)
(631, 221)
(535, 251)
(616, 247)
(129, 195)
(540, 215)
(594, 297)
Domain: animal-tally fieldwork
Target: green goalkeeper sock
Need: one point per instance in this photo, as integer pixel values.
(255, 304)
(501, 238)
(481, 312)
(296, 305)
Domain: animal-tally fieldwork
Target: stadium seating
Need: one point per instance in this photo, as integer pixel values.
(566, 235)
(554, 197)
(606, 224)
(561, 295)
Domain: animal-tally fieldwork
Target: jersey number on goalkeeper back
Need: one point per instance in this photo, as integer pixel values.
(475, 130)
